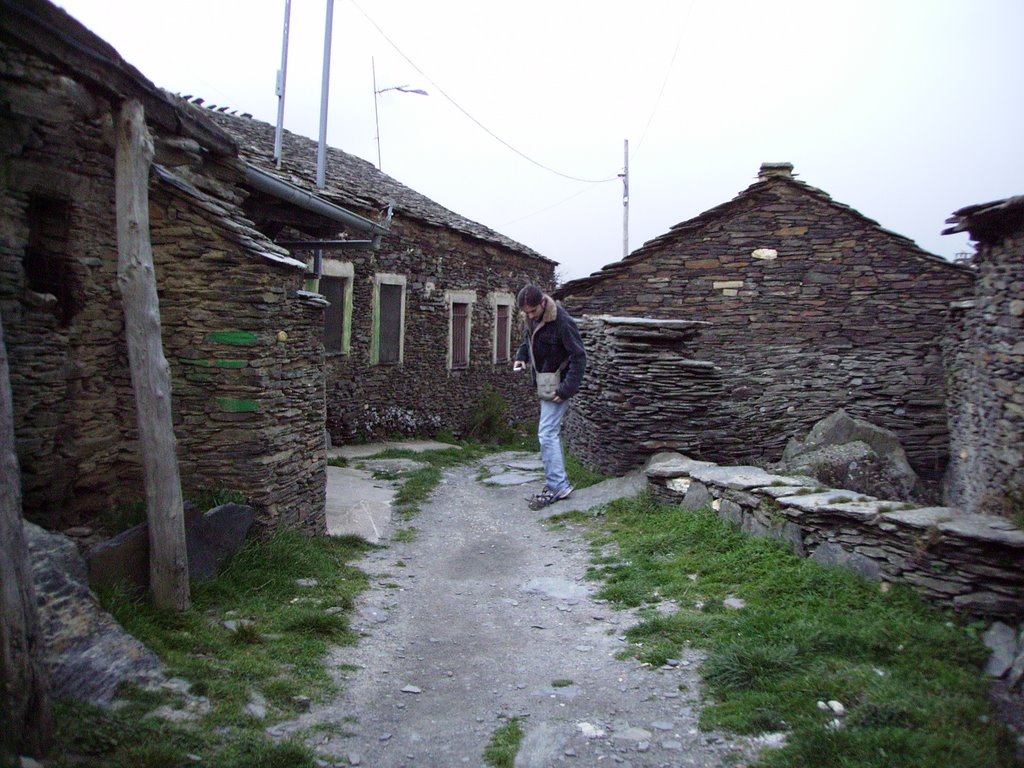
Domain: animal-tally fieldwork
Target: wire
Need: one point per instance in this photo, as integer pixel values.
(664, 82)
(546, 208)
(487, 130)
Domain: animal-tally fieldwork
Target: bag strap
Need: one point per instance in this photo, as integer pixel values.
(533, 362)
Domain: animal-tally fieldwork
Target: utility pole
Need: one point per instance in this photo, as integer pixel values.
(321, 152)
(625, 198)
(282, 76)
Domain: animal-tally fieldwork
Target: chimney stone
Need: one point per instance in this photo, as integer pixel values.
(775, 169)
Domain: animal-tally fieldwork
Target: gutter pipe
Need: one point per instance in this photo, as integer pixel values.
(288, 192)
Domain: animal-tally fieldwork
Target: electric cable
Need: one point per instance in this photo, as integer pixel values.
(487, 130)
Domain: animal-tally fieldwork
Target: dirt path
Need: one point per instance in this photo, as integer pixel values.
(486, 616)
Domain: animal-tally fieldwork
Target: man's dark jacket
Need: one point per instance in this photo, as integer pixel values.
(556, 341)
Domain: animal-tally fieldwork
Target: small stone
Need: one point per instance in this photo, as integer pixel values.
(307, 583)
(672, 745)
(354, 758)
(837, 707)
(661, 725)
(385, 737)
(412, 689)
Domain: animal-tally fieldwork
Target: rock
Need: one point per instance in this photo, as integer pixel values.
(697, 496)
(210, 538)
(1001, 640)
(88, 654)
(215, 536)
(844, 452)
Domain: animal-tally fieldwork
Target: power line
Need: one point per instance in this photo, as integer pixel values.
(664, 82)
(487, 130)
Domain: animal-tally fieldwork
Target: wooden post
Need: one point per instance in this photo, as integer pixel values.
(26, 721)
(151, 380)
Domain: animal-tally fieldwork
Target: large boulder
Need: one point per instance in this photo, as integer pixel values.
(843, 452)
(88, 654)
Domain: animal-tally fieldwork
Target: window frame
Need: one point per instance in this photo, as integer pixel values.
(499, 299)
(452, 298)
(334, 269)
(379, 279)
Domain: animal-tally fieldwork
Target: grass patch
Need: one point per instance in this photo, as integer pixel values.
(561, 683)
(504, 744)
(406, 534)
(909, 674)
(253, 629)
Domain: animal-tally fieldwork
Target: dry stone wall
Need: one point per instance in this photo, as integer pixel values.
(970, 563)
(812, 307)
(242, 341)
(985, 363)
(641, 384)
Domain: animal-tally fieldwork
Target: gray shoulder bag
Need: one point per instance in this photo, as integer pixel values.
(547, 383)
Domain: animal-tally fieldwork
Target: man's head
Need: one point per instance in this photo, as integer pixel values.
(531, 301)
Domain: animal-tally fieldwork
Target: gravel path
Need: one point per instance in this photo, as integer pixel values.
(486, 616)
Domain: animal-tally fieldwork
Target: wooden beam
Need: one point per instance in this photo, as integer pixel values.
(151, 380)
(26, 721)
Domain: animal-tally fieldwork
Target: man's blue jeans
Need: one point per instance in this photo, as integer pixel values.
(549, 431)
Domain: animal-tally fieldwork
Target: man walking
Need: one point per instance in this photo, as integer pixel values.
(551, 345)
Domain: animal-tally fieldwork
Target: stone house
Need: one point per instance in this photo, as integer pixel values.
(243, 341)
(985, 360)
(420, 324)
(803, 306)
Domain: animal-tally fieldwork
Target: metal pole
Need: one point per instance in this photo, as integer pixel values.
(321, 152)
(376, 119)
(625, 200)
(282, 76)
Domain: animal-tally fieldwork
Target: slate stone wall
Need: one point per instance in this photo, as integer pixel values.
(812, 308)
(970, 563)
(248, 406)
(421, 395)
(985, 361)
(641, 384)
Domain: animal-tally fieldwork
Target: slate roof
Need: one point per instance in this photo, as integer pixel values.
(351, 182)
(989, 222)
(723, 211)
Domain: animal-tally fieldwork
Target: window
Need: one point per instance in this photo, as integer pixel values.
(388, 341)
(460, 326)
(501, 341)
(47, 267)
(336, 287)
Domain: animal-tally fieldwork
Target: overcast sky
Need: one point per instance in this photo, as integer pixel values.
(903, 109)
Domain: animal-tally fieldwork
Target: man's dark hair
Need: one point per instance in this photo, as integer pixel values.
(530, 296)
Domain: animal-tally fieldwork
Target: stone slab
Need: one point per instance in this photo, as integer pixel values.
(510, 478)
(923, 517)
(988, 528)
(670, 464)
(358, 505)
(824, 501)
(741, 478)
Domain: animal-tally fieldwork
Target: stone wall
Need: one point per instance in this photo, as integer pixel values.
(985, 360)
(812, 307)
(641, 391)
(422, 395)
(248, 404)
(971, 563)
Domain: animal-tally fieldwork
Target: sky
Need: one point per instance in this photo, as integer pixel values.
(905, 110)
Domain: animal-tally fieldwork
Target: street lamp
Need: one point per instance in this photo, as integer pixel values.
(376, 93)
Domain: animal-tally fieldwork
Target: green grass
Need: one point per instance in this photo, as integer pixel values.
(277, 649)
(909, 674)
(502, 748)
